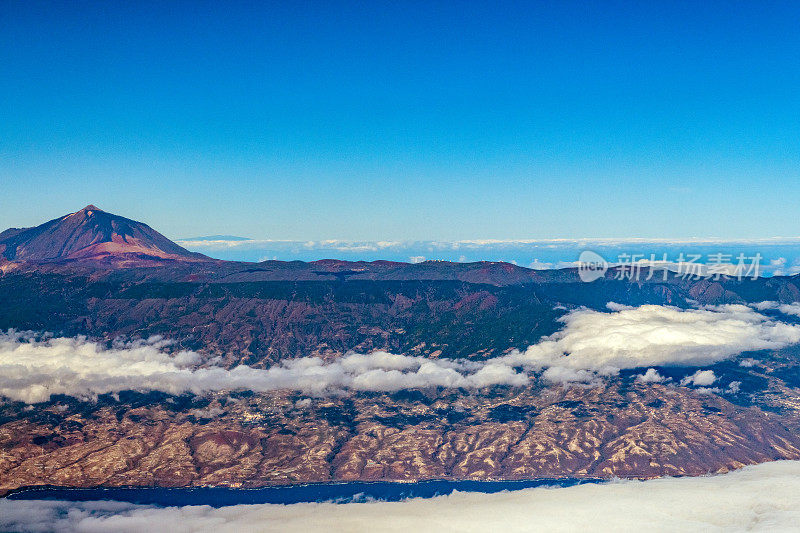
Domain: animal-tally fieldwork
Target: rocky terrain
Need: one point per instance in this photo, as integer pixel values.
(255, 440)
(95, 274)
(260, 322)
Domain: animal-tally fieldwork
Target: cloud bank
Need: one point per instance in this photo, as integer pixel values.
(755, 498)
(787, 309)
(597, 343)
(779, 255)
(592, 344)
(33, 369)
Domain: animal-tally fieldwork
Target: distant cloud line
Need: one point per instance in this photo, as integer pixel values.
(232, 241)
(780, 255)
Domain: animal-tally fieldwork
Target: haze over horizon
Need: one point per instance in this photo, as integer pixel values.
(405, 122)
(91, 230)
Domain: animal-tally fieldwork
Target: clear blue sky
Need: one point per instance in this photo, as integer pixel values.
(405, 120)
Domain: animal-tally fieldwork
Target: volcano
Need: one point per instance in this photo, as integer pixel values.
(90, 233)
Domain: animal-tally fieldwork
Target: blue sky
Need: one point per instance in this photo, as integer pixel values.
(405, 120)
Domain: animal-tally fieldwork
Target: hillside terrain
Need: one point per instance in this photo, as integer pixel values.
(111, 279)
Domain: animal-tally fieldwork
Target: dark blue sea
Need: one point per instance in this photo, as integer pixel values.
(322, 492)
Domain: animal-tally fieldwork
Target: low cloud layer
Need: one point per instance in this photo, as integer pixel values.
(787, 309)
(755, 498)
(595, 343)
(32, 369)
(592, 344)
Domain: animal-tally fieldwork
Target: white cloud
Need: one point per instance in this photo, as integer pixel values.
(31, 370)
(539, 265)
(562, 374)
(701, 378)
(755, 498)
(557, 265)
(653, 335)
(787, 309)
(614, 306)
(781, 267)
(325, 244)
(592, 344)
(651, 376)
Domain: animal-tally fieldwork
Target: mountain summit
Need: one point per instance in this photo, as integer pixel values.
(90, 233)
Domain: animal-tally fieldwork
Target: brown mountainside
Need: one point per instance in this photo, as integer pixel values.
(88, 234)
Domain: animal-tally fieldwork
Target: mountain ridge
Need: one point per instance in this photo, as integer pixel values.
(90, 233)
(92, 240)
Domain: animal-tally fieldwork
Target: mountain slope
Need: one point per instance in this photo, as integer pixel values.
(90, 233)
